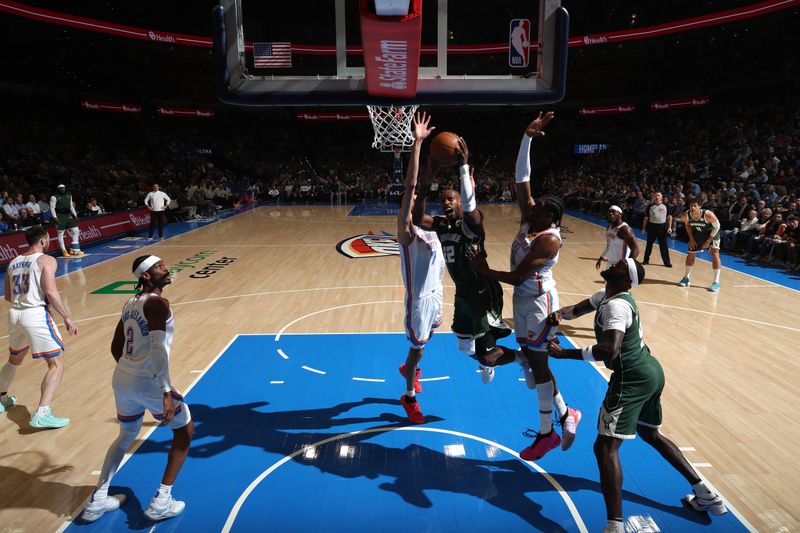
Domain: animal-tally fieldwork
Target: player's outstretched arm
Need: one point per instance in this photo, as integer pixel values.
(571, 312)
(544, 250)
(469, 200)
(419, 216)
(404, 218)
(523, 170)
(48, 266)
(605, 350)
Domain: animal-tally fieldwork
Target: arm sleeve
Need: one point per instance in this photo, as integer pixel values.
(716, 227)
(467, 192)
(167, 200)
(53, 207)
(523, 172)
(72, 207)
(159, 359)
(618, 315)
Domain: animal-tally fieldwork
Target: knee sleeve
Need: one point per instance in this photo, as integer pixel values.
(127, 433)
(75, 232)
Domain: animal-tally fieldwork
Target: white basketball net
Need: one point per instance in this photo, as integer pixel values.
(392, 125)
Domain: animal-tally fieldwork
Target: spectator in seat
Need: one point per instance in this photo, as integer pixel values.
(761, 244)
(746, 225)
(93, 208)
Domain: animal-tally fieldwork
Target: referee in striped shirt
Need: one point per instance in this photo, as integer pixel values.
(657, 224)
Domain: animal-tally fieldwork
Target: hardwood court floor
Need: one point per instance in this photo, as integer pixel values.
(728, 356)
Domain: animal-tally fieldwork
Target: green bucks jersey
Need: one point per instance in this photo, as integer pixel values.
(634, 351)
(456, 238)
(701, 229)
(63, 205)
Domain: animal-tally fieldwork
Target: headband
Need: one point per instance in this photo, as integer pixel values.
(145, 265)
(634, 275)
(615, 208)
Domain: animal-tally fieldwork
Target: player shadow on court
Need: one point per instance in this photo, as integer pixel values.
(21, 416)
(416, 469)
(56, 497)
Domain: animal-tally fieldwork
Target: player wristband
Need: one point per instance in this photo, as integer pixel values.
(587, 354)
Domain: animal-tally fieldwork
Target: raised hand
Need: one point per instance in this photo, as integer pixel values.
(462, 152)
(421, 129)
(534, 129)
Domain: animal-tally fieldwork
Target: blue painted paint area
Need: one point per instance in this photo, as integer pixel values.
(111, 249)
(385, 479)
(774, 275)
(386, 209)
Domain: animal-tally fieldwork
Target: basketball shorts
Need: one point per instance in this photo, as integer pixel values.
(478, 312)
(33, 328)
(66, 222)
(136, 394)
(423, 315)
(530, 319)
(715, 243)
(633, 398)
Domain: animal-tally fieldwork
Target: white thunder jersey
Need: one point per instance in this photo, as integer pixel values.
(26, 282)
(542, 281)
(423, 266)
(616, 248)
(135, 358)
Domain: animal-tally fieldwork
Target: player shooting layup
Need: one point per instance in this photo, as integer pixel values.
(423, 268)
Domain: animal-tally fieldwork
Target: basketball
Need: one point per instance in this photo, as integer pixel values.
(443, 149)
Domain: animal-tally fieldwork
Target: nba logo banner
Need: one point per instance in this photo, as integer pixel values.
(519, 42)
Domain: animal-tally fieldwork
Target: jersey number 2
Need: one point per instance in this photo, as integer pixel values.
(449, 254)
(21, 283)
(129, 342)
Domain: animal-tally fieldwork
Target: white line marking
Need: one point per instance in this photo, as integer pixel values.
(146, 436)
(701, 465)
(276, 382)
(304, 367)
(296, 320)
(195, 371)
(374, 380)
(687, 449)
(435, 379)
(95, 472)
(280, 352)
(520, 379)
(257, 481)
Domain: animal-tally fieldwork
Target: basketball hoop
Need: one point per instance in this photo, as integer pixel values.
(392, 126)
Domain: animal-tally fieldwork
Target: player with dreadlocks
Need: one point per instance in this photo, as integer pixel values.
(534, 252)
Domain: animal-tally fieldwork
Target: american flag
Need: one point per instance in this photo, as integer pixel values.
(272, 55)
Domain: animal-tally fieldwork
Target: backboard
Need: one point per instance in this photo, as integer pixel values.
(311, 53)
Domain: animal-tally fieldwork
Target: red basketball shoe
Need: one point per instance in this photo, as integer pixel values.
(541, 445)
(412, 410)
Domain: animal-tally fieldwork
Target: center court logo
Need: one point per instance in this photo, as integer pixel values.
(369, 245)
